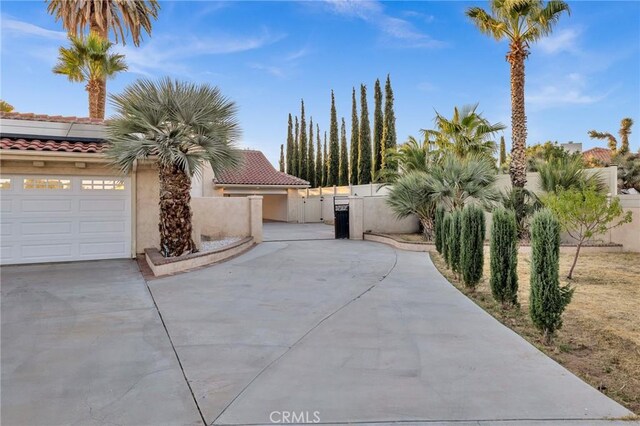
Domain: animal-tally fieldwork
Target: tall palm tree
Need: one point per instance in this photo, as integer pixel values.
(467, 132)
(624, 132)
(88, 60)
(104, 16)
(521, 22)
(179, 127)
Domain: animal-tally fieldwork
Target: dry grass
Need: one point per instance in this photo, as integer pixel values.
(600, 337)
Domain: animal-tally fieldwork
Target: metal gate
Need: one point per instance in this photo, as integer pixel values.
(341, 216)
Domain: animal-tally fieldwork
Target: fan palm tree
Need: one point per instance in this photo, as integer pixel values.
(412, 155)
(567, 173)
(180, 127)
(521, 22)
(102, 17)
(624, 132)
(88, 60)
(467, 132)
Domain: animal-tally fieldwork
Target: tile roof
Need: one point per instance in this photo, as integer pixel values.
(21, 144)
(257, 170)
(601, 155)
(52, 118)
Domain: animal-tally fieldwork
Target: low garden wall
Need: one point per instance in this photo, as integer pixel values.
(221, 217)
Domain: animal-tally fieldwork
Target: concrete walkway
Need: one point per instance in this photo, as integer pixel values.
(282, 231)
(357, 332)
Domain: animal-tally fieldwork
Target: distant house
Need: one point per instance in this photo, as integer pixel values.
(256, 176)
(597, 156)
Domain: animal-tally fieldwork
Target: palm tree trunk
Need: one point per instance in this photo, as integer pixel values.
(427, 228)
(175, 212)
(518, 166)
(103, 32)
(93, 89)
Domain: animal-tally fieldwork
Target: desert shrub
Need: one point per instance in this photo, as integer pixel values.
(446, 226)
(438, 228)
(471, 251)
(454, 243)
(547, 299)
(504, 257)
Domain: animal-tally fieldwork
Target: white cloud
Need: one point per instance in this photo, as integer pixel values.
(561, 41)
(419, 15)
(569, 90)
(396, 29)
(21, 28)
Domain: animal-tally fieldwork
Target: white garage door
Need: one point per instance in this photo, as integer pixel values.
(62, 218)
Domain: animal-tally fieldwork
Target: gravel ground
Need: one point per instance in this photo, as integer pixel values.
(216, 244)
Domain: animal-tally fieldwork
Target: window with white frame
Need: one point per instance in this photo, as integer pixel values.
(103, 184)
(46, 183)
(5, 183)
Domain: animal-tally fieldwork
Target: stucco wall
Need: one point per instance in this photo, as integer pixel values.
(147, 213)
(378, 217)
(220, 217)
(628, 234)
(274, 207)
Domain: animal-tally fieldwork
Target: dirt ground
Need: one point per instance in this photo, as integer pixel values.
(600, 338)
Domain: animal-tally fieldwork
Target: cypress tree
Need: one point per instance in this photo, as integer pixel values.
(281, 158)
(472, 249)
(453, 240)
(504, 257)
(503, 152)
(364, 144)
(378, 144)
(389, 137)
(303, 168)
(438, 225)
(355, 140)
(334, 146)
(310, 157)
(325, 163)
(343, 174)
(290, 146)
(319, 167)
(446, 227)
(547, 299)
(296, 155)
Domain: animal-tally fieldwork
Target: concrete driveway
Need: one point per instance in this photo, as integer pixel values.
(335, 331)
(282, 231)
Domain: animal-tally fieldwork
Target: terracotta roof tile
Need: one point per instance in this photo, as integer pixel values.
(602, 155)
(50, 145)
(257, 170)
(52, 118)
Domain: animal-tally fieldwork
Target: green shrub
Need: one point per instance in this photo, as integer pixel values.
(446, 226)
(453, 240)
(471, 251)
(504, 257)
(438, 225)
(547, 299)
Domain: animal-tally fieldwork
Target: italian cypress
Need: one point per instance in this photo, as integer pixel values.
(355, 140)
(334, 146)
(503, 152)
(303, 164)
(472, 249)
(446, 226)
(389, 137)
(364, 143)
(325, 163)
(547, 299)
(290, 146)
(319, 167)
(310, 157)
(343, 173)
(378, 144)
(453, 240)
(440, 212)
(281, 158)
(296, 152)
(504, 257)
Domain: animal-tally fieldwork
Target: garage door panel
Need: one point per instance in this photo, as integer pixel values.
(54, 225)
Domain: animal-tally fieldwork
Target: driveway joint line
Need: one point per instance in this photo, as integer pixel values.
(193, 396)
(349, 302)
(479, 421)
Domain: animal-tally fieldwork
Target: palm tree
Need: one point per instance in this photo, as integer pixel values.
(521, 22)
(179, 127)
(624, 132)
(88, 60)
(567, 173)
(467, 132)
(5, 106)
(413, 155)
(103, 16)
(452, 183)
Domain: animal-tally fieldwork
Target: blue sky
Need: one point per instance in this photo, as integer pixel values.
(268, 55)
